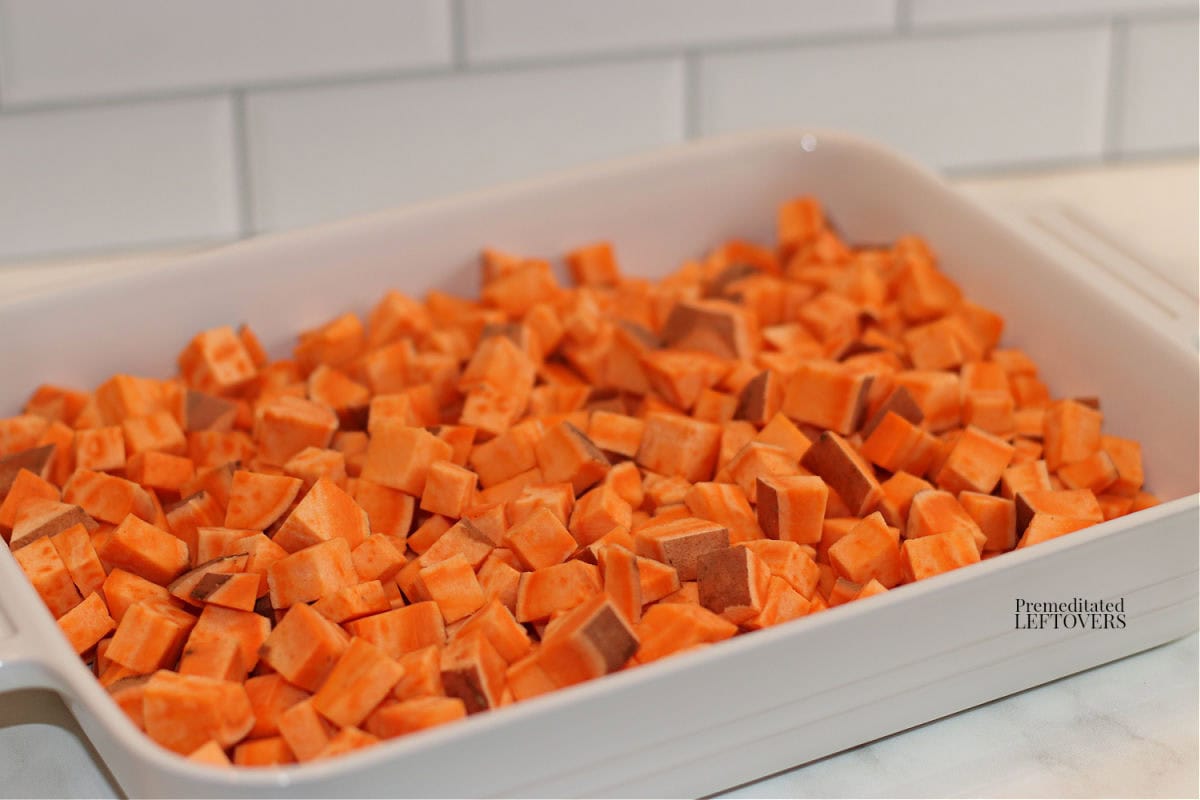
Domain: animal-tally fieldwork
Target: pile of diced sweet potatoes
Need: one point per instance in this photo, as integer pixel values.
(456, 505)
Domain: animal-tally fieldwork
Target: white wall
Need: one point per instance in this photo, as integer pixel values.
(140, 123)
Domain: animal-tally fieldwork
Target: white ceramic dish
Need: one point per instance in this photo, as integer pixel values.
(755, 704)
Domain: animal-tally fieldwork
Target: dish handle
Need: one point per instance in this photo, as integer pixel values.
(24, 660)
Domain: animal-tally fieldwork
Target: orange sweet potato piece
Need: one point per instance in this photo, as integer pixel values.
(827, 395)
(869, 551)
(26, 488)
(1071, 432)
(791, 507)
(733, 583)
(598, 512)
(87, 623)
(847, 474)
(474, 672)
(39, 518)
(213, 658)
(106, 497)
(934, 511)
(975, 463)
(422, 676)
(541, 540)
(270, 696)
(555, 588)
(257, 500)
(400, 457)
(311, 573)
(932, 555)
(448, 490)
(362, 677)
(676, 445)
(216, 362)
(150, 636)
(670, 628)
(414, 714)
(182, 712)
(402, 630)
(305, 731)
(789, 562)
(246, 628)
(145, 550)
(566, 454)
(622, 580)
(996, 517)
(285, 426)
(325, 513)
(1043, 527)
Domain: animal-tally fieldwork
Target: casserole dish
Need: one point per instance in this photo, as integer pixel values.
(752, 705)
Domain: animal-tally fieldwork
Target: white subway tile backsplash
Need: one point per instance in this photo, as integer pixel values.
(983, 12)
(952, 101)
(500, 30)
(329, 152)
(116, 176)
(1159, 88)
(51, 50)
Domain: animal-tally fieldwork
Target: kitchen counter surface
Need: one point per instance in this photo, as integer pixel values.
(1128, 728)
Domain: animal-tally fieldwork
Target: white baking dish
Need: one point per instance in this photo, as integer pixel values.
(755, 704)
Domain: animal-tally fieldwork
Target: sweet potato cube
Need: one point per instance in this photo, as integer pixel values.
(1070, 433)
(592, 640)
(474, 672)
(726, 504)
(315, 463)
(423, 673)
(213, 658)
(761, 398)
(389, 511)
(415, 714)
(145, 550)
(182, 712)
(1044, 527)
(1126, 455)
(402, 630)
(206, 412)
(598, 512)
(940, 552)
(566, 455)
(789, 561)
(248, 629)
(1069, 503)
(996, 517)
(557, 498)
(622, 580)
(27, 488)
(377, 558)
(100, 449)
(451, 583)
(363, 676)
(304, 647)
(792, 507)
(21, 433)
(265, 752)
(311, 573)
(464, 539)
(681, 542)
(935, 511)
(270, 696)
(975, 463)
(670, 628)
(680, 377)
(900, 402)
(257, 500)
(616, 433)
(870, 551)
(847, 473)
(400, 458)
(939, 394)
(676, 445)
(448, 490)
(36, 460)
(1096, 473)
(163, 471)
(898, 445)
(755, 460)
(123, 589)
(783, 603)
(541, 540)
(353, 602)
(287, 425)
(335, 343)
(325, 513)
(305, 731)
(157, 433)
(87, 623)
(733, 583)
(593, 265)
(1026, 477)
(499, 581)
(497, 624)
(209, 753)
(149, 636)
(827, 395)
(560, 587)
(216, 362)
(74, 547)
(39, 518)
(656, 580)
(238, 591)
(898, 492)
(719, 327)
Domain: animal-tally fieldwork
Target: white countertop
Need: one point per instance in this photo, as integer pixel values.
(1128, 728)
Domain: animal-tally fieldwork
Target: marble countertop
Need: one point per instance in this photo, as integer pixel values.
(1125, 729)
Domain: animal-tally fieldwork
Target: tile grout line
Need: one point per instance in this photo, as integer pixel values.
(458, 34)
(691, 94)
(1118, 44)
(244, 187)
